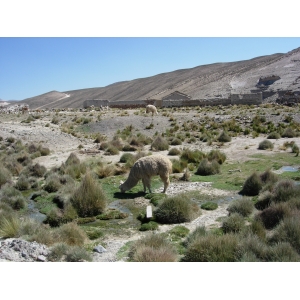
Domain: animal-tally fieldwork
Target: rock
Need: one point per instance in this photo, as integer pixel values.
(99, 249)
(41, 258)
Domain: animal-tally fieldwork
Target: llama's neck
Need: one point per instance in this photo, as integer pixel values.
(130, 183)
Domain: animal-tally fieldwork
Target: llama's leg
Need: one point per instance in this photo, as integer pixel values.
(147, 184)
(144, 184)
(166, 181)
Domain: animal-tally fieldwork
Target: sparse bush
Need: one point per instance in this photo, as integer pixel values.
(77, 254)
(178, 166)
(295, 149)
(265, 145)
(176, 141)
(264, 200)
(212, 248)
(152, 248)
(243, 206)
(176, 209)
(72, 159)
(44, 151)
(89, 199)
(207, 167)
(37, 170)
(252, 185)
(200, 231)
(283, 252)
(234, 223)
(127, 157)
(192, 156)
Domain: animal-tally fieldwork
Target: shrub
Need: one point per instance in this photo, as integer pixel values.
(178, 232)
(284, 190)
(274, 135)
(257, 228)
(288, 231)
(152, 248)
(224, 137)
(111, 150)
(52, 183)
(5, 176)
(264, 200)
(283, 252)
(176, 209)
(252, 185)
(192, 156)
(209, 206)
(176, 141)
(272, 215)
(265, 145)
(71, 234)
(89, 199)
(112, 214)
(77, 254)
(295, 149)
(99, 138)
(208, 168)
(216, 155)
(234, 223)
(178, 166)
(127, 157)
(289, 133)
(9, 225)
(212, 248)
(104, 170)
(12, 197)
(269, 178)
(72, 159)
(44, 151)
(159, 144)
(152, 225)
(58, 251)
(243, 206)
(37, 170)
(174, 151)
(251, 246)
(23, 183)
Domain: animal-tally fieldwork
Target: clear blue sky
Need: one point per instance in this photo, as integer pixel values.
(33, 66)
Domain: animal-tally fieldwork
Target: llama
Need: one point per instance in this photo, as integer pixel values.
(152, 109)
(146, 167)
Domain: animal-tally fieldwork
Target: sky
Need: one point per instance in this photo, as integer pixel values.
(57, 50)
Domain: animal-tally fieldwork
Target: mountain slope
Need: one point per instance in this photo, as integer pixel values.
(202, 82)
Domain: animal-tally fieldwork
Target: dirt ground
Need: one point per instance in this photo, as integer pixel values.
(62, 144)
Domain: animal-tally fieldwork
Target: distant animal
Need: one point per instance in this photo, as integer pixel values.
(151, 109)
(25, 109)
(146, 167)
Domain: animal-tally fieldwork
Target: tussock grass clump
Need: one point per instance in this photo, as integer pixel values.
(252, 185)
(295, 149)
(89, 199)
(265, 145)
(283, 252)
(234, 223)
(104, 170)
(285, 190)
(127, 157)
(212, 248)
(11, 196)
(289, 133)
(5, 176)
(174, 151)
(159, 144)
(178, 166)
(53, 183)
(77, 254)
(207, 167)
(274, 135)
(192, 156)
(72, 159)
(152, 248)
(152, 225)
(243, 206)
(9, 225)
(288, 231)
(176, 141)
(224, 137)
(209, 205)
(71, 234)
(216, 155)
(177, 209)
(22, 183)
(272, 215)
(36, 170)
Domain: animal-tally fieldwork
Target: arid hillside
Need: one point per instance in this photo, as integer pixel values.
(217, 80)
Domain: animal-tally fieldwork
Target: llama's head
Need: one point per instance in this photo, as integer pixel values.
(121, 187)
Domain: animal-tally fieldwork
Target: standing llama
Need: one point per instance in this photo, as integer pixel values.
(152, 109)
(146, 167)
